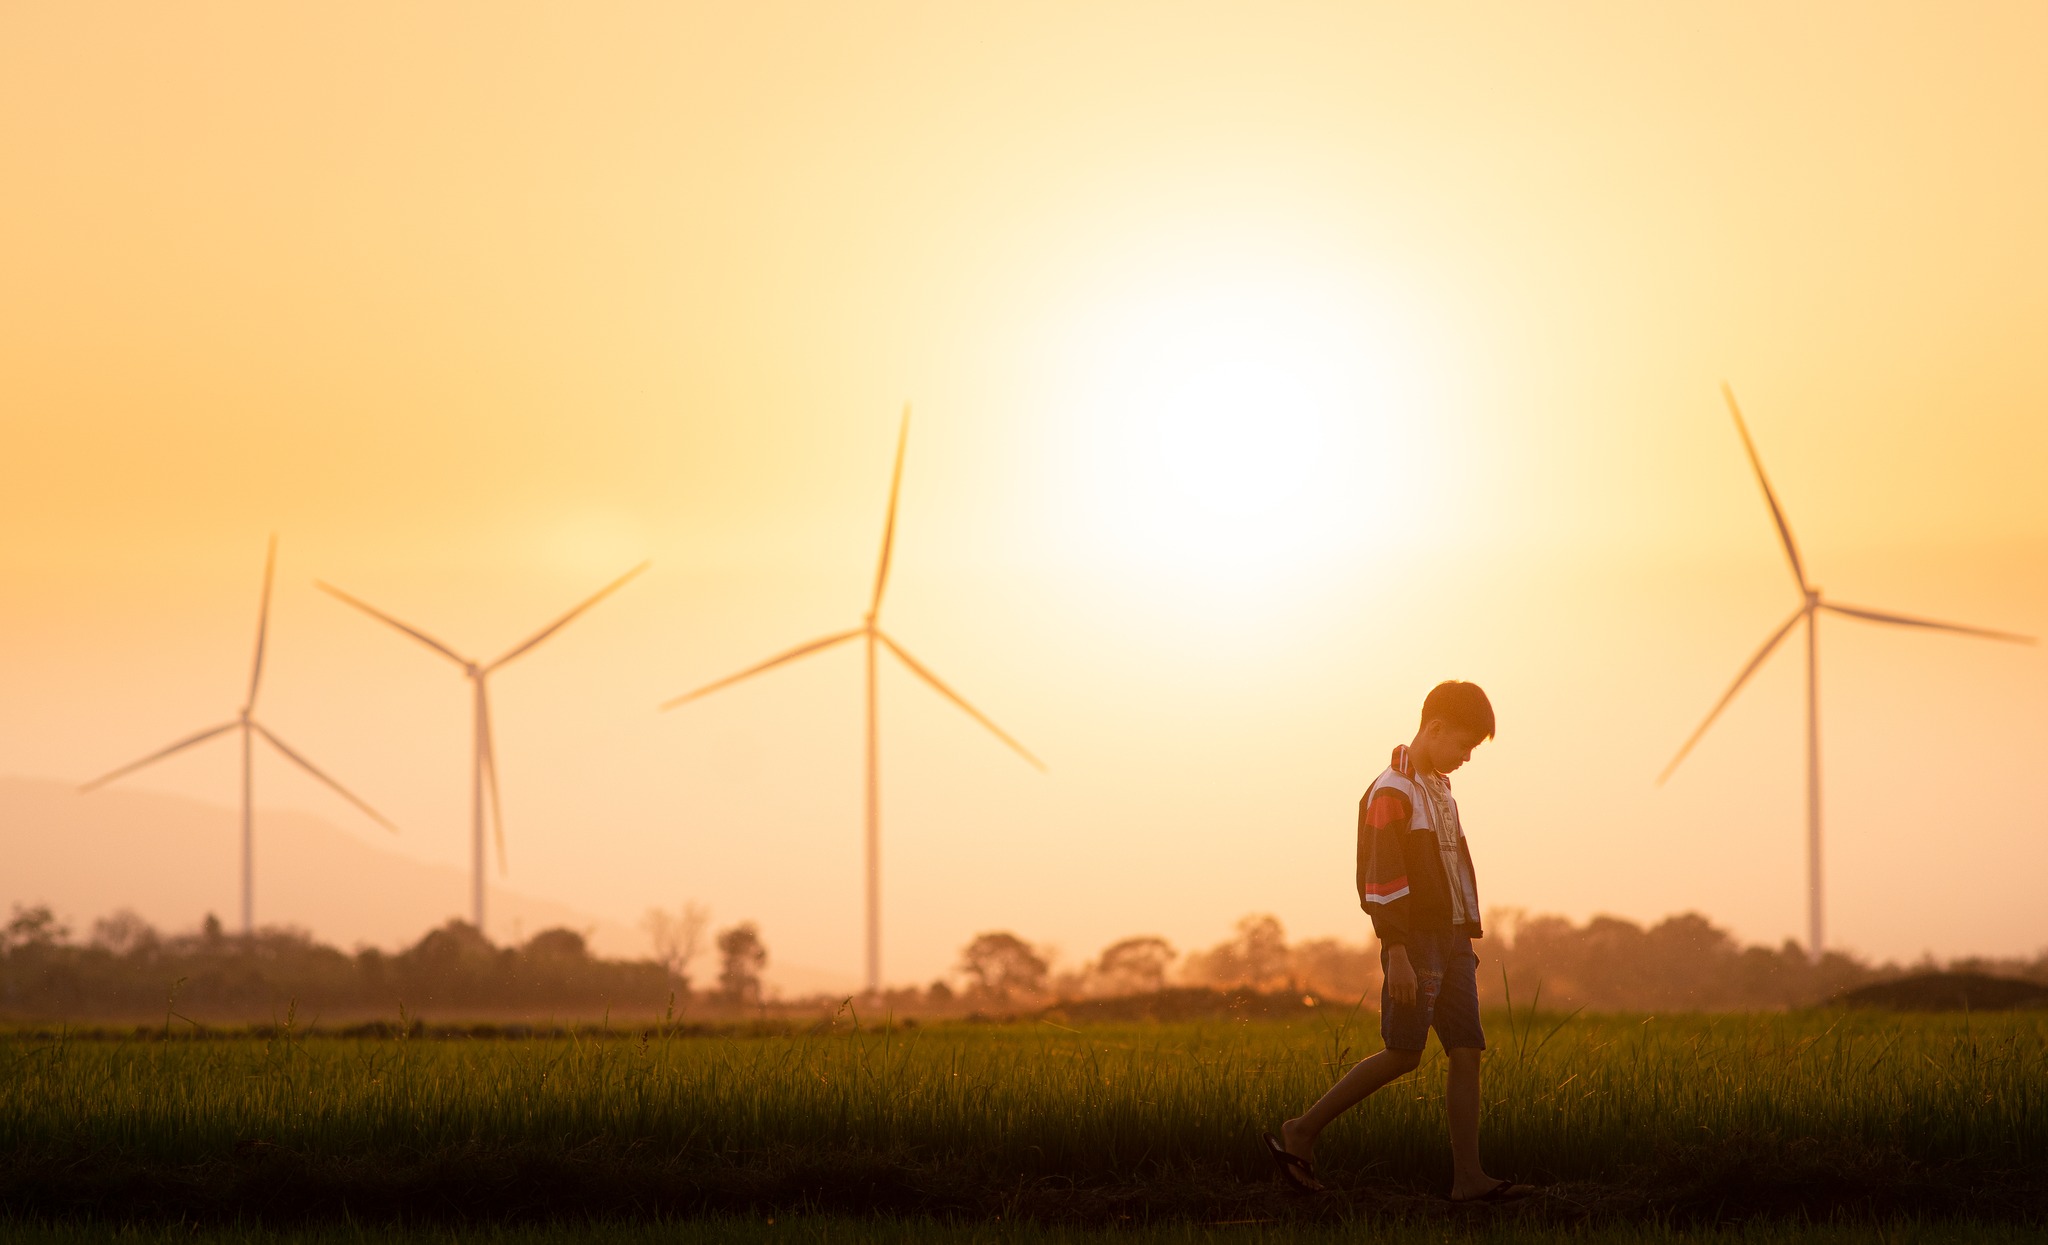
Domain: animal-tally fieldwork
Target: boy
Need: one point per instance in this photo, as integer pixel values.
(1415, 879)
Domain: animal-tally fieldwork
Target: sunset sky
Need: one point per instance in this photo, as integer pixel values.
(1268, 364)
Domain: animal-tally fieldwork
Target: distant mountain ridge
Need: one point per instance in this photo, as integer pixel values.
(174, 859)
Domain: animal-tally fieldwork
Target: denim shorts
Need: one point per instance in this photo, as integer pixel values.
(1446, 996)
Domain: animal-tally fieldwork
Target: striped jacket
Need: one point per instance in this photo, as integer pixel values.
(1401, 879)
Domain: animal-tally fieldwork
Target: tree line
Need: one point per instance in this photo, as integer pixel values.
(1681, 963)
(125, 968)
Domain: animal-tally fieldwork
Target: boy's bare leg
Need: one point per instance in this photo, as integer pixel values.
(1299, 1134)
(1461, 1096)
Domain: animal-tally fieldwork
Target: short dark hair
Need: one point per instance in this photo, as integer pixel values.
(1462, 705)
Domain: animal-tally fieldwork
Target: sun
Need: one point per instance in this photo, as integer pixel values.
(1240, 426)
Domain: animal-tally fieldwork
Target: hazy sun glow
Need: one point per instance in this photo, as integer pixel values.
(1236, 416)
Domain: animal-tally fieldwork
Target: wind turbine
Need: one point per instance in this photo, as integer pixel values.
(1810, 606)
(484, 765)
(245, 722)
(871, 633)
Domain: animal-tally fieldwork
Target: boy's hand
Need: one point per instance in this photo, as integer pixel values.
(1400, 975)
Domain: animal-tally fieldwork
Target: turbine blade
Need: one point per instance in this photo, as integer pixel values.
(180, 746)
(262, 622)
(314, 770)
(1770, 498)
(565, 619)
(1901, 620)
(1733, 688)
(382, 617)
(889, 524)
(917, 669)
(799, 651)
(490, 759)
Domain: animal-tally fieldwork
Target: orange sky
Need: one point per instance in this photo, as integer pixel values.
(1268, 367)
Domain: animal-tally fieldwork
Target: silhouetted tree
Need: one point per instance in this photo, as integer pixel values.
(454, 944)
(449, 966)
(125, 933)
(742, 957)
(1334, 969)
(35, 927)
(1132, 966)
(1256, 957)
(1001, 964)
(557, 944)
(677, 938)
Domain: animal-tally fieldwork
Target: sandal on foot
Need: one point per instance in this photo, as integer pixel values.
(1295, 1171)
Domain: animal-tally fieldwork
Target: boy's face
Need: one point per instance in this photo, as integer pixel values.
(1449, 746)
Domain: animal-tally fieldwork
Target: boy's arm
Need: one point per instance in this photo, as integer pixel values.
(1382, 863)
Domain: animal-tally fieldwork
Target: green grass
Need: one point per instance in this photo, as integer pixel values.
(1679, 1121)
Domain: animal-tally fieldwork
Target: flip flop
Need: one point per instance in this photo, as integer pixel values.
(1295, 1171)
(1505, 1191)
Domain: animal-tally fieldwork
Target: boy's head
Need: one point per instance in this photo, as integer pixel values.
(1456, 718)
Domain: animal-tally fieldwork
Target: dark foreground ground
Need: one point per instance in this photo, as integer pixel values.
(1739, 1127)
(835, 1230)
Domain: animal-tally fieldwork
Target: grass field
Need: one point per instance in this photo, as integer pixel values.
(1644, 1125)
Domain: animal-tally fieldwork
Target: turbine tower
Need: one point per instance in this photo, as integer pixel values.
(871, 634)
(245, 722)
(484, 763)
(1810, 607)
